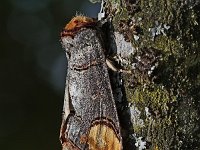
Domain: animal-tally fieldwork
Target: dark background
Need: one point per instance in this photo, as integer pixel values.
(33, 69)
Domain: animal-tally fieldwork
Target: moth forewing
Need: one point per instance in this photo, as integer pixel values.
(91, 122)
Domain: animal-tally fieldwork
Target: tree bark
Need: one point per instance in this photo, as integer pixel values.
(159, 42)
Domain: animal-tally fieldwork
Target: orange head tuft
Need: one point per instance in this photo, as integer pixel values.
(76, 24)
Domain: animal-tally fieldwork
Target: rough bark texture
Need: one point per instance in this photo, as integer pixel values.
(159, 42)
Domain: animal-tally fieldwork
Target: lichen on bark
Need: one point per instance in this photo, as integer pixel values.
(163, 89)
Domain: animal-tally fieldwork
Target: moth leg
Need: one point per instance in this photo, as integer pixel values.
(114, 68)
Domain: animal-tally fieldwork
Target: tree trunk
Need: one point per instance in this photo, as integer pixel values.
(159, 42)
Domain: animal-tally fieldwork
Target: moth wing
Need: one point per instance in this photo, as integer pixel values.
(67, 103)
(67, 107)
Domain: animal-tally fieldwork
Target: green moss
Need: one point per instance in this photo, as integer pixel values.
(121, 15)
(115, 1)
(155, 97)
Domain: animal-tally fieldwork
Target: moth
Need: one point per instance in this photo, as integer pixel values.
(90, 120)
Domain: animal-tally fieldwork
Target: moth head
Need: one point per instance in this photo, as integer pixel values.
(76, 24)
(69, 32)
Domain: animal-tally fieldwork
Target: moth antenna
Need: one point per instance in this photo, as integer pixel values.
(79, 14)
